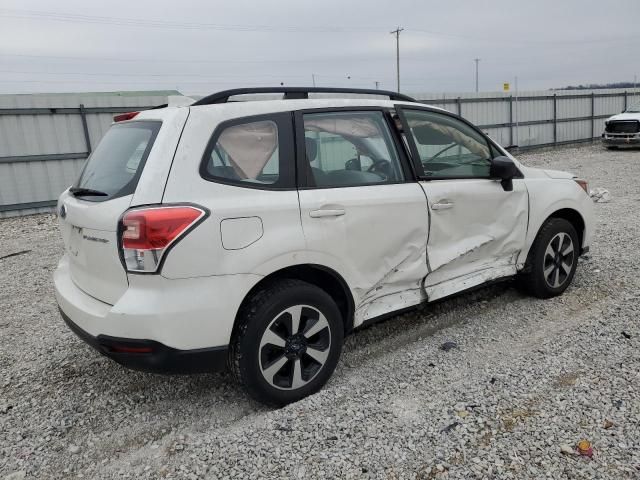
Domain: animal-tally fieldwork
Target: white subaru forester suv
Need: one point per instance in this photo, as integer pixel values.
(255, 235)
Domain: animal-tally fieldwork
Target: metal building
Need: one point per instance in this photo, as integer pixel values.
(45, 138)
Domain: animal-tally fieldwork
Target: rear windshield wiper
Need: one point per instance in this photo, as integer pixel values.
(83, 192)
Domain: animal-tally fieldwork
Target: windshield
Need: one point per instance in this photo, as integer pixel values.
(634, 108)
(116, 164)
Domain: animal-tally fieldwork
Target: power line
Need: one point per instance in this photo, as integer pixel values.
(231, 77)
(120, 21)
(118, 74)
(141, 82)
(181, 60)
(147, 23)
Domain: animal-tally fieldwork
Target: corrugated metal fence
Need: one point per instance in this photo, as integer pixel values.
(44, 139)
(537, 119)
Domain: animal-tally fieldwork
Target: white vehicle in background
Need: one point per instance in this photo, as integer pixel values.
(623, 130)
(254, 235)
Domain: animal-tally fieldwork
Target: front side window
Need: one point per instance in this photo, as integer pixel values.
(247, 153)
(349, 149)
(448, 147)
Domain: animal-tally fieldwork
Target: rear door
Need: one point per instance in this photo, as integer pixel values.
(89, 211)
(477, 229)
(362, 214)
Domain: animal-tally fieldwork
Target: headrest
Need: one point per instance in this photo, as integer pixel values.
(311, 146)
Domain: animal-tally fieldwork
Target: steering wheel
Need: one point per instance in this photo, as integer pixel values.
(381, 167)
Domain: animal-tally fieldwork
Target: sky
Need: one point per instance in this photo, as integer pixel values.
(202, 46)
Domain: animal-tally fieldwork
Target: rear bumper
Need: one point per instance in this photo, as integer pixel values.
(181, 325)
(152, 356)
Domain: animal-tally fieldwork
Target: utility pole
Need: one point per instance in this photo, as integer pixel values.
(313, 79)
(396, 32)
(517, 116)
(377, 85)
(477, 60)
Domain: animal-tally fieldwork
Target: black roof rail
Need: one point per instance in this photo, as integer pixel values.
(291, 93)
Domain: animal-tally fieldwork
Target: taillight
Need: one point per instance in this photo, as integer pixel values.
(125, 116)
(147, 234)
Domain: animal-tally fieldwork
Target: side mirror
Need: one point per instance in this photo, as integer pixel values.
(503, 169)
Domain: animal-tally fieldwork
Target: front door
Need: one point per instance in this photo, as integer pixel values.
(477, 229)
(362, 214)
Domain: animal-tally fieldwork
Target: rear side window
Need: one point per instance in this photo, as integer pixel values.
(115, 165)
(247, 152)
(346, 149)
(253, 152)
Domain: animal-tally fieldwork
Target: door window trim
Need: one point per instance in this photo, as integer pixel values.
(304, 183)
(413, 150)
(287, 164)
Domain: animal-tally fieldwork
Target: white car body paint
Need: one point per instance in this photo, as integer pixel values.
(239, 233)
(626, 137)
(387, 242)
(545, 201)
(472, 236)
(485, 239)
(625, 116)
(374, 226)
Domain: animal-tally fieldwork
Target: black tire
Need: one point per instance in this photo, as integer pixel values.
(267, 309)
(539, 261)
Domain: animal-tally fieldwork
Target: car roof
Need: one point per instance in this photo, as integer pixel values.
(256, 107)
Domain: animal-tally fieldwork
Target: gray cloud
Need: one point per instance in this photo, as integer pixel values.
(201, 46)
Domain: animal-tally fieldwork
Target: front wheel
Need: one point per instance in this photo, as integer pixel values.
(552, 260)
(287, 343)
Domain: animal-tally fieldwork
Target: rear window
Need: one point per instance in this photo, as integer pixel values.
(115, 165)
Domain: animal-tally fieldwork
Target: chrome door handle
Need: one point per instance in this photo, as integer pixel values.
(326, 213)
(443, 205)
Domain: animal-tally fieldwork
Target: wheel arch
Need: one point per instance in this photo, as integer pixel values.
(574, 218)
(323, 277)
(566, 212)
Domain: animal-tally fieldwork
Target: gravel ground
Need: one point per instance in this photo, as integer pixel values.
(528, 377)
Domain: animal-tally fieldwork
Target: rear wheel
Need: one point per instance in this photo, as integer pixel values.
(552, 259)
(287, 343)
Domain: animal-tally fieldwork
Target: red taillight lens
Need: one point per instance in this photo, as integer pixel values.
(156, 227)
(148, 232)
(125, 116)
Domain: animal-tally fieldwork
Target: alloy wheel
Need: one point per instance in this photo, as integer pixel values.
(558, 260)
(294, 347)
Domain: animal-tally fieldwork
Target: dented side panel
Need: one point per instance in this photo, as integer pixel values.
(482, 229)
(459, 284)
(378, 243)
